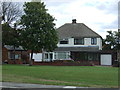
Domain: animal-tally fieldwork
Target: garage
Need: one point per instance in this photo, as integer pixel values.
(106, 59)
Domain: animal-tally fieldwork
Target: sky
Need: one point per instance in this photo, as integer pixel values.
(99, 15)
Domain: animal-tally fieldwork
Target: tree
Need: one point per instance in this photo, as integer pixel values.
(38, 30)
(117, 38)
(10, 11)
(10, 36)
(112, 41)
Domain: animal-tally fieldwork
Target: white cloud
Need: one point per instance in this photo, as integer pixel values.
(99, 15)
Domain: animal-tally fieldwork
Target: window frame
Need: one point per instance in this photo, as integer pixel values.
(64, 40)
(62, 56)
(93, 41)
(11, 56)
(79, 41)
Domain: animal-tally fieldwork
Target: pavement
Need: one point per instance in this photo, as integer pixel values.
(24, 85)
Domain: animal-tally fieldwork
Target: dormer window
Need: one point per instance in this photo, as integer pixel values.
(64, 41)
(79, 41)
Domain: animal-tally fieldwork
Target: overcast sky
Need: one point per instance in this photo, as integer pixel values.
(99, 15)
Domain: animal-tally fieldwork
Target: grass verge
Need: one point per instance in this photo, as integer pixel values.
(85, 76)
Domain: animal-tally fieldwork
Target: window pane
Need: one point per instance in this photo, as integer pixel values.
(55, 54)
(62, 55)
(79, 41)
(63, 42)
(11, 55)
(16, 56)
(93, 41)
(46, 56)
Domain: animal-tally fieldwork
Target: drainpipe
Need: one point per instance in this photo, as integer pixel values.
(30, 62)
(14, 54)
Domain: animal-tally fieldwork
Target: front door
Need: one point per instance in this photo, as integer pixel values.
(51, 57)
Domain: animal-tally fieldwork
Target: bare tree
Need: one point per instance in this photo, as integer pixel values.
(10, 11)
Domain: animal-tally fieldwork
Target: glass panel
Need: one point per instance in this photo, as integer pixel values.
(93, 41)
(55, 55)
(62, 55)
(51, 56)
(46, 56)
(79, 41)
(16, 56)
(11, 56)
(63, 42)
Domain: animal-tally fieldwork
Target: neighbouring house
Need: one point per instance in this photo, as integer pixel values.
(17, 56)
(79, 43)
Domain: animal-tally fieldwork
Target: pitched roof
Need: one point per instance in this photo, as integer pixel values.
(76, 30)
(96, 48)
(12, 48)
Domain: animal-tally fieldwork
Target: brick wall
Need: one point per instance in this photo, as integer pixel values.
(4, 54)
(24, 57)
(60, 63)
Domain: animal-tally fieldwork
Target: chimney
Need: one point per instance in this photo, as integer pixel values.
(73, 21)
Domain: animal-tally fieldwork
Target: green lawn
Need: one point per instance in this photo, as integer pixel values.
(87, 76)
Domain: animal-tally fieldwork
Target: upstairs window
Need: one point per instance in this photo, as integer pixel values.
(64, 41)
(93, 41)
(79, 41)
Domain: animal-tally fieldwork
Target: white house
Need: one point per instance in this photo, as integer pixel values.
(75, 37)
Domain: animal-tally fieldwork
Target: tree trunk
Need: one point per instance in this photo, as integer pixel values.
(14, 54)
(42, 55)
(30, 62)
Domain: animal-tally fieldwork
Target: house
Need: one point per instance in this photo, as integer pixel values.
(81, 44)
(17, 56)
(76, 42)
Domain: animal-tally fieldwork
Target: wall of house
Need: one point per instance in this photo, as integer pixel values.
(7, 58)
(99, 43)
(4, 54)
(87, 42)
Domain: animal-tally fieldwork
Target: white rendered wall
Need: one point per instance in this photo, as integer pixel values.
(87, 42)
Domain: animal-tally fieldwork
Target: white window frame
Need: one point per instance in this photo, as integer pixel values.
(67, 55)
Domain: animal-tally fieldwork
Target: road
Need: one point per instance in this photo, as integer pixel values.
(23, 85)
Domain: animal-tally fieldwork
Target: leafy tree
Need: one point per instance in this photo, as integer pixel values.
(117, 38)
(10, 36)
(38, 31)
(112, 41)
(9, 12)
